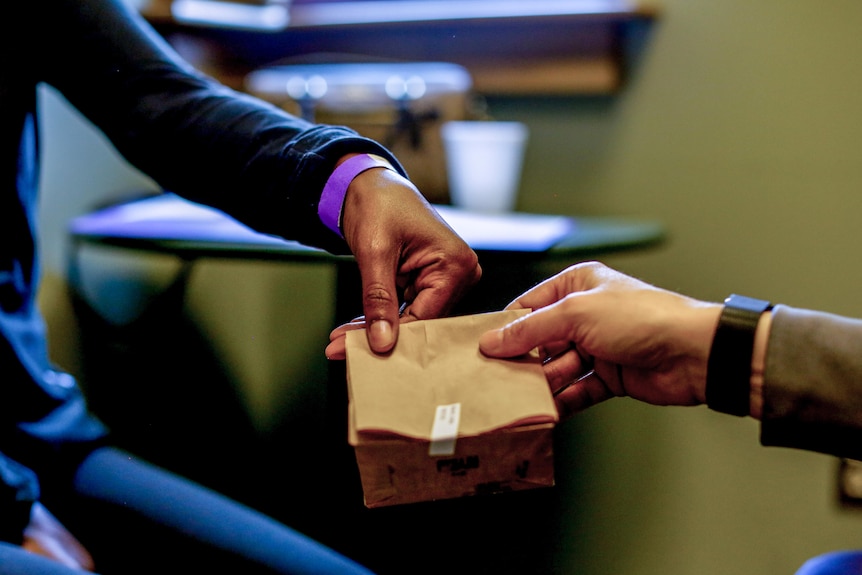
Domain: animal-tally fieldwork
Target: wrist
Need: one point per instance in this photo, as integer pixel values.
(699, 336)
(758, 363)
(331, 204)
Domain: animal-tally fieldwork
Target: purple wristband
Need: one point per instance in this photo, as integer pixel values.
(332, 197)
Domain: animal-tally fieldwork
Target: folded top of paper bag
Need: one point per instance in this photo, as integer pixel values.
(438, 363)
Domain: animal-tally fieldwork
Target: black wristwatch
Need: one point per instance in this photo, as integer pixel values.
(728, 372)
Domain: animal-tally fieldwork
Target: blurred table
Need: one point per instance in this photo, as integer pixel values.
(168, 223)
(508, 245)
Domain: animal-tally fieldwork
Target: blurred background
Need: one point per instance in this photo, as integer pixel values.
(737, 127)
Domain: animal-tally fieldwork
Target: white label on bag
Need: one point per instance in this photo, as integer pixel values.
(445, 429)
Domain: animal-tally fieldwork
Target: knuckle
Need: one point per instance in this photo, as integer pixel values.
(378, 295)
(516, 330)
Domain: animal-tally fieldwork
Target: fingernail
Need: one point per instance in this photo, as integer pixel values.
(381, 335)
(490, 340)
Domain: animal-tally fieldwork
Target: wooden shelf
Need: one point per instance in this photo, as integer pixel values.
(534, 47)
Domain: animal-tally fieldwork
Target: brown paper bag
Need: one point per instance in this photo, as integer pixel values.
(436, 419)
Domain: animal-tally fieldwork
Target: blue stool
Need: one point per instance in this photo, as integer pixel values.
(834, 563)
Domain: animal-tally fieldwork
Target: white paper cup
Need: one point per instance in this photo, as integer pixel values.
(483, 163)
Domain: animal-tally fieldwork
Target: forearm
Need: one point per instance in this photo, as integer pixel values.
(192, 135)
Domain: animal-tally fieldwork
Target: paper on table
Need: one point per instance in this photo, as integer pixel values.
(169, 216)
(515, 231)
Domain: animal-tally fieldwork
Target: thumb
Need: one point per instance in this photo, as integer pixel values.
(510, 340)
(380, 305)
(533, 330)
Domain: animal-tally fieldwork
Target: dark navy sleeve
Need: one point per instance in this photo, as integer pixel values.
(18, 490)
(192, 135)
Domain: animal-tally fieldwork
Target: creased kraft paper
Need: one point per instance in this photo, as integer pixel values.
(503, 411)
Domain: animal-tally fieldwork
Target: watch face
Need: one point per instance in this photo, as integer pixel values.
(747, 303)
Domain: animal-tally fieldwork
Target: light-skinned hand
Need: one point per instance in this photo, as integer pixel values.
(605, 334)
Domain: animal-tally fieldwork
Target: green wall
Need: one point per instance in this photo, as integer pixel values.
(740, 130)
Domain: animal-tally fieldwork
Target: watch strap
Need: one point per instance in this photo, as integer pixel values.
(728, 374)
